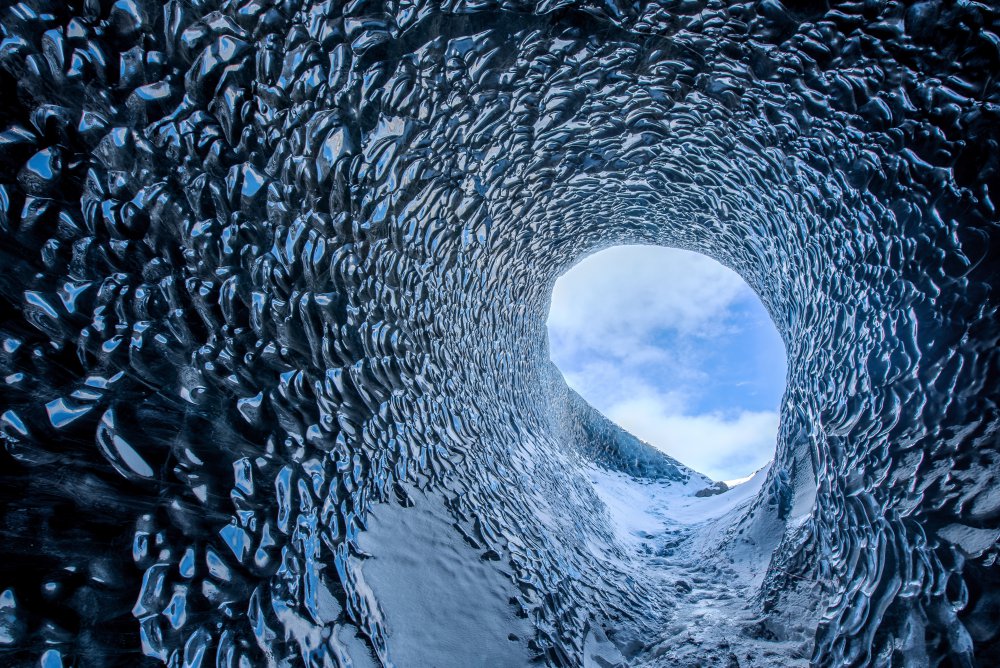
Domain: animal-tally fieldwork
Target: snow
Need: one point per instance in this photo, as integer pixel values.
(640, 506)
(443, 605)
(707, 570)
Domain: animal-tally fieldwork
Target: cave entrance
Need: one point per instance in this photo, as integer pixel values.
(676, 349)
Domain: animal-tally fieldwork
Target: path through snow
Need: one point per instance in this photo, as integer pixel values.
(708, 583)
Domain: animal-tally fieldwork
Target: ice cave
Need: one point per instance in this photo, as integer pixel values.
(276, 387)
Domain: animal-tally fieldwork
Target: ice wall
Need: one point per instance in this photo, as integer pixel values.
(270, 267)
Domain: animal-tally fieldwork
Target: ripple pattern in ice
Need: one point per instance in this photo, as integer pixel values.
(271, 266)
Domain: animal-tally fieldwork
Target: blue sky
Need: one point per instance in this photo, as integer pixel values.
(675, 348)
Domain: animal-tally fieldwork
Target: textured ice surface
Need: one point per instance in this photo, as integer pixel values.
(275, 280)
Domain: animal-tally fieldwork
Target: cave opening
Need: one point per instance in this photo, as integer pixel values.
(676, 349)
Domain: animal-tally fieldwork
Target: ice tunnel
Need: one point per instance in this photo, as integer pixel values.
(275, 280)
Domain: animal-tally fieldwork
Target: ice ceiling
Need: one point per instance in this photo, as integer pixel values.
(275, 282)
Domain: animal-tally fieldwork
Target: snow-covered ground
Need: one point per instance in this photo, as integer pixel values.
(441, 604)
(708, 571)
(640, 507)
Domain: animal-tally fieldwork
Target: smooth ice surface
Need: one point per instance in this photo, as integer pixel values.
(443, 602)
(675, 348)
(276, 273)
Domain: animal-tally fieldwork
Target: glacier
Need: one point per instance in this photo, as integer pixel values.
(276, 386)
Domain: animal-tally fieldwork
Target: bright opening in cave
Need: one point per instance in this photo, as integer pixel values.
(675, 348)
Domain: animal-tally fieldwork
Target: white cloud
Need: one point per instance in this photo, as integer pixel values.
(617, 299)
(607, 384)
(610, 318)
(722, 447)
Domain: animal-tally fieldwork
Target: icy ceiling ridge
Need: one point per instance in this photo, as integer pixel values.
(267, 266)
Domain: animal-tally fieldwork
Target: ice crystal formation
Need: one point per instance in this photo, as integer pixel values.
(276, 387)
